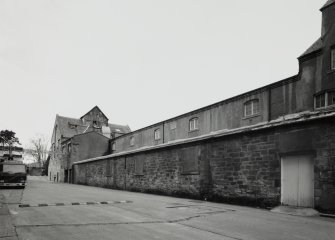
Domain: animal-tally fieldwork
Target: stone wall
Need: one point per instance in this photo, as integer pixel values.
(244, 168)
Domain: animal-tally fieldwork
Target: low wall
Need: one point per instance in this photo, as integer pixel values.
(244, 168)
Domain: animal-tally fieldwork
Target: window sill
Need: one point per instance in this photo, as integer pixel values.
(331, 71)
(251, 116)
(325, 108)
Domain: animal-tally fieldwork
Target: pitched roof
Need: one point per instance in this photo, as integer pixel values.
(330, 2)
(70, 127)
(92, 110)
(315, 47)
(64, 126)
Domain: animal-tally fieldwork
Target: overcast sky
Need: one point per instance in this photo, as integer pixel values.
(142, 61)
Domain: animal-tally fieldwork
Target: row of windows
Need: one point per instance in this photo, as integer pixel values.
(193, 126)
(325, 99)
(251, 108)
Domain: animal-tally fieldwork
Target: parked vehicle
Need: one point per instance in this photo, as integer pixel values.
(13, 174)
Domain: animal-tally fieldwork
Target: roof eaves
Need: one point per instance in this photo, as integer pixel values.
(316, 46)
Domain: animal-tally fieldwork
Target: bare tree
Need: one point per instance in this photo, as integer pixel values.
(38, 149)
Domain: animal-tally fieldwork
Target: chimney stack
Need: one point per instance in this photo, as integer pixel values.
(328, 16)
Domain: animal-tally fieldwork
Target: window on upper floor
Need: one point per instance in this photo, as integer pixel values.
(194, 124)
(251, 107)
(157, 134)
(113, 146)
(332, 58)
(69, 147)
(331, 98)
(173, 127)
(320, 100)
(132, 141)
(324, 99)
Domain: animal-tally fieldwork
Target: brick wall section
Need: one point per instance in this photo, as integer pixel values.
(243, 168)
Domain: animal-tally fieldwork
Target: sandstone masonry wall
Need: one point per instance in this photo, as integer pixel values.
(244, 168)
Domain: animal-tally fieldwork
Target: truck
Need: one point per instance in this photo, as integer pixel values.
(13, 174)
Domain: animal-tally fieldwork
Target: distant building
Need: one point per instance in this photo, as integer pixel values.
(82, 138)
(270, 146)
(35, 169)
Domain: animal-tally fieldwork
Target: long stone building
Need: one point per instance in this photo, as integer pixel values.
(270, 146)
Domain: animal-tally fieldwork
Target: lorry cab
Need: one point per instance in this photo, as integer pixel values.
(13, 174)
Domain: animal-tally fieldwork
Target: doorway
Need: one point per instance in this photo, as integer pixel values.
(297, 181)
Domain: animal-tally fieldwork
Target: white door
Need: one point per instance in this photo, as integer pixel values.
(297, 181)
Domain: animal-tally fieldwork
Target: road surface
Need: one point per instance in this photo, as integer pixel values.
(64, 211)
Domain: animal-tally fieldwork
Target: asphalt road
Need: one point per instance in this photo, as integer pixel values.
(64, 211)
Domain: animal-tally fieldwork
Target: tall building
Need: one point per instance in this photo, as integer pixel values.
(92, 129)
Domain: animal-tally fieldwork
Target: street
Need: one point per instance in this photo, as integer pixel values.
(46, 210)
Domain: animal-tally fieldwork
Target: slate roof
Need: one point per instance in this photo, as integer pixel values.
(69, 127)
(330, 2)
(315, 47)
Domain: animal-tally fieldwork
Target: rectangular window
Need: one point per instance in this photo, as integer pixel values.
(193, 124)
(248, 109)
(331, 98)
(332, 57)
(132, 141)
(320, 100)
(157, 134)
(251, 107)
(113, 146)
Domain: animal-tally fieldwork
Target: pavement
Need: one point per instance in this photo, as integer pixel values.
(297, 211)
(47, 210)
